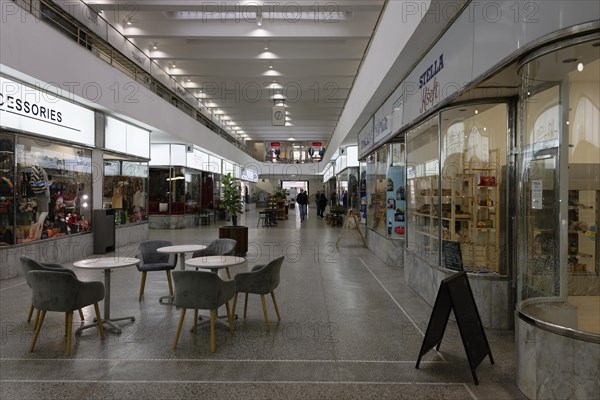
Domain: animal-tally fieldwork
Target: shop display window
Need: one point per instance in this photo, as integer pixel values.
(53, 195)
(471, 204)
(422, 191)
(377, 164)
(125, 189)
(175, 191)
(559, 170)
(362, 188)
(396, 192)
(7, 189)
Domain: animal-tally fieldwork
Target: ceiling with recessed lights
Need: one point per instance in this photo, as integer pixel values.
(241, 58)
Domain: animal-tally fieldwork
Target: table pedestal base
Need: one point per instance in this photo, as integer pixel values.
(110, 323)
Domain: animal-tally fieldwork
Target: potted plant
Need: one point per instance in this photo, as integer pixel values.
(232, 199)
(231, 202)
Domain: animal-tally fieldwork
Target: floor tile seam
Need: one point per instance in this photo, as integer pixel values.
(230, 382)
(398, 305)
(468, 389)
(209, 360)
(11, 287)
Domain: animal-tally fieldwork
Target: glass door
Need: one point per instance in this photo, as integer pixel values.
(539, 238)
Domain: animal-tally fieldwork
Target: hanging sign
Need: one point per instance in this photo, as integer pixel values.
(275, 144)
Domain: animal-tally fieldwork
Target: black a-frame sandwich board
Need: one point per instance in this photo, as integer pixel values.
(455, 293)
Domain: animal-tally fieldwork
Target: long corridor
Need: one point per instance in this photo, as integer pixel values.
(350, 329)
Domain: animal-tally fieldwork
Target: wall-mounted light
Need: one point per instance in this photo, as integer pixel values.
(154, 46)
(580, 67)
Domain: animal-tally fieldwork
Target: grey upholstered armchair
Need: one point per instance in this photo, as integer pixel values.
(29, 264)
(202, 290)
(57, 291)
(151, 260)
(263, 279)
(218, 247)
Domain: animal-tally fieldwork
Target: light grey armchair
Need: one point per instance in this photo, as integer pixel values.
(57, 291)
(218, 247)
(202, 290)
(151, 260)
(262, 279)
(29, 264)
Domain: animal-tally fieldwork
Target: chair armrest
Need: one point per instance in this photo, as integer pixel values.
(227, 291)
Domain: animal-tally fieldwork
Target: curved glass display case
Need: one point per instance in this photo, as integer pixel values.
(559, 171)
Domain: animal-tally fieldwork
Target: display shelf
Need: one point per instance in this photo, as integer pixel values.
(582, 215)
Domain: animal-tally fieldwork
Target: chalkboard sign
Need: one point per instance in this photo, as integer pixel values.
(452, 255)
(455, 293)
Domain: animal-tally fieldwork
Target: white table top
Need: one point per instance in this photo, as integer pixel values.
(214, 262)
(183, 248)
(106, 262)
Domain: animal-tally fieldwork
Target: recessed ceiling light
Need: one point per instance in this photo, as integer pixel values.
(292, 139)
(580, 67)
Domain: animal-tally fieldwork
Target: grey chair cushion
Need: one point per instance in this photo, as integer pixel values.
(261, 280)
(29, 264)
(218, 247)
(201, 290)
(57, 291)
(151, 260)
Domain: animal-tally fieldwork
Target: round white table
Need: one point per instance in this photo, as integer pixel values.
(107, 264)
(181, 250)
(215, 263)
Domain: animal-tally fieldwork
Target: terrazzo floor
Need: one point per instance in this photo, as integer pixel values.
(350, 329)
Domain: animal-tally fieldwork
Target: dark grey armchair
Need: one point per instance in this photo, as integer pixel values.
(29, 264)
(57, 291)
(202, 290)
(151, 260)
(263, 279)
(218, 247)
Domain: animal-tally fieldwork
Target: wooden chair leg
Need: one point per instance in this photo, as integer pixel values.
(195, 321)
(275, 304)
(66, 323)
(264, 305)
(228, 273)
(170, 281)
(69, 327)
(234, 303)
(38, 328)
(142, 285)
(81, 314)
(99, 321)
(213, 316)
(245, 304)
(229, 317)
(30, 313)
(37, 319)
(181, 317)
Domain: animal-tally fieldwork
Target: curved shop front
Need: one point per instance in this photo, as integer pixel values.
(504, 171)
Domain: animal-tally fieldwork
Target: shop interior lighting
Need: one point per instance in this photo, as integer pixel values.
(580, 67)
(154, 46)
(267, 46)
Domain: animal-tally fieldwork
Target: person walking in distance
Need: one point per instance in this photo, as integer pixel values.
(322, 204)
(302, 200)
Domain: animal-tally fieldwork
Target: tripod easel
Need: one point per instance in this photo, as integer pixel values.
(350, 214)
